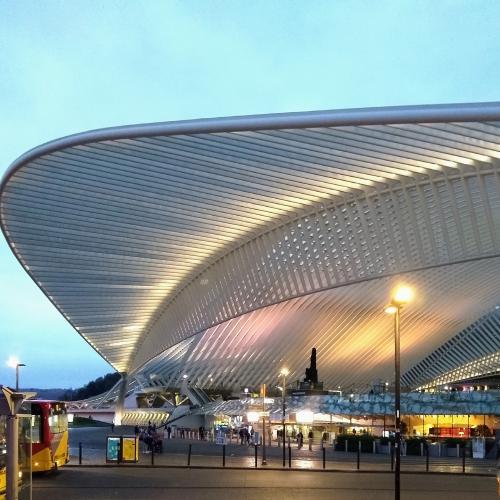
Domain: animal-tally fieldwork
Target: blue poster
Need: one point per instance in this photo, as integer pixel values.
(112, 449)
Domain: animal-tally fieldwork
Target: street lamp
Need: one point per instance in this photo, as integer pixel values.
(284, 372)
(263, 392)
(13, 362)
(401, 296)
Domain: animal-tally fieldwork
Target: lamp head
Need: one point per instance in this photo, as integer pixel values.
(403, 294)
(392, 309)
(284, 372)
(13, 361)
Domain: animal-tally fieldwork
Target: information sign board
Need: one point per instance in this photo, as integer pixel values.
(130, 449)
(112, 449)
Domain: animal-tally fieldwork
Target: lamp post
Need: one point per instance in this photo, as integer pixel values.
(13, 362)
(17, 375)
(284, 372)
(402, 295)
(264, 461)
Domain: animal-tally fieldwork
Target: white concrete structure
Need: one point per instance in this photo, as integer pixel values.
(223, 249)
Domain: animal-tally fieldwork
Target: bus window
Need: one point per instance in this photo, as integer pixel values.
(58, 423)
(36, 429)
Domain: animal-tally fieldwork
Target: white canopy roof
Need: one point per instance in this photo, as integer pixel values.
(232, 246)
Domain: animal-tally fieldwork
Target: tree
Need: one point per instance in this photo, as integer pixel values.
(93, 388)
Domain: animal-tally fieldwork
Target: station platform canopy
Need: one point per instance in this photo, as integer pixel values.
(223, 249)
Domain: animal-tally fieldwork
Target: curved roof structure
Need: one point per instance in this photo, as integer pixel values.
(228, 247)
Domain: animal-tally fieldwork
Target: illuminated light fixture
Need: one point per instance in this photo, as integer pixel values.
(253, 416)
(245, 390)
(185, 376)
(284, 372)
(131, 328)
(71, 417)
(391, 309)
(12, 362)
(403, 294)
(305, 417)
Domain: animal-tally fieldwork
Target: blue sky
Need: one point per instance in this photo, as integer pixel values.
(69, 66)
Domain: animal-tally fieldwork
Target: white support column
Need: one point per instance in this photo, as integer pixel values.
(120, 402)
(12, 457)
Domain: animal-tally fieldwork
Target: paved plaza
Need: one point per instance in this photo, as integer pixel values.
(145, 483)
(205, 454)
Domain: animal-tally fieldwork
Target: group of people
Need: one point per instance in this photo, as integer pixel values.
(184, 433)
(150, 437)
(300, 439)
(246, 436)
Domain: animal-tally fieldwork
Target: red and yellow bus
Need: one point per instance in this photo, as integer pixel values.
(49, 438)
(49, 435)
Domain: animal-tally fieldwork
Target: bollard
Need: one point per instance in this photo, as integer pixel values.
(324, 458)
(374, 450)
(359, 452)
(284, 453)
(421, 449)
(223, 455)
(391, 449)
(289, 457)
(255, 446)
(189, 455)
(463, 460)
(458, 450)
(427, 459)
(346, 445)
(79, 453)
(152, 452)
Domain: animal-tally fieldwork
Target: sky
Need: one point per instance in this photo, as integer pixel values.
(70, 66)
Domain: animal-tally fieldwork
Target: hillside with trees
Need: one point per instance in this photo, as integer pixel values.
(93, 388)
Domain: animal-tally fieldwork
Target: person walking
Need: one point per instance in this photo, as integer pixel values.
(310, 437)
(300, 440)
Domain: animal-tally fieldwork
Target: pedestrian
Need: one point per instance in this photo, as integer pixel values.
(310, 437)
(300, 440)
(136, 430)
(169, 431)
(324, 439)
(113, 426)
